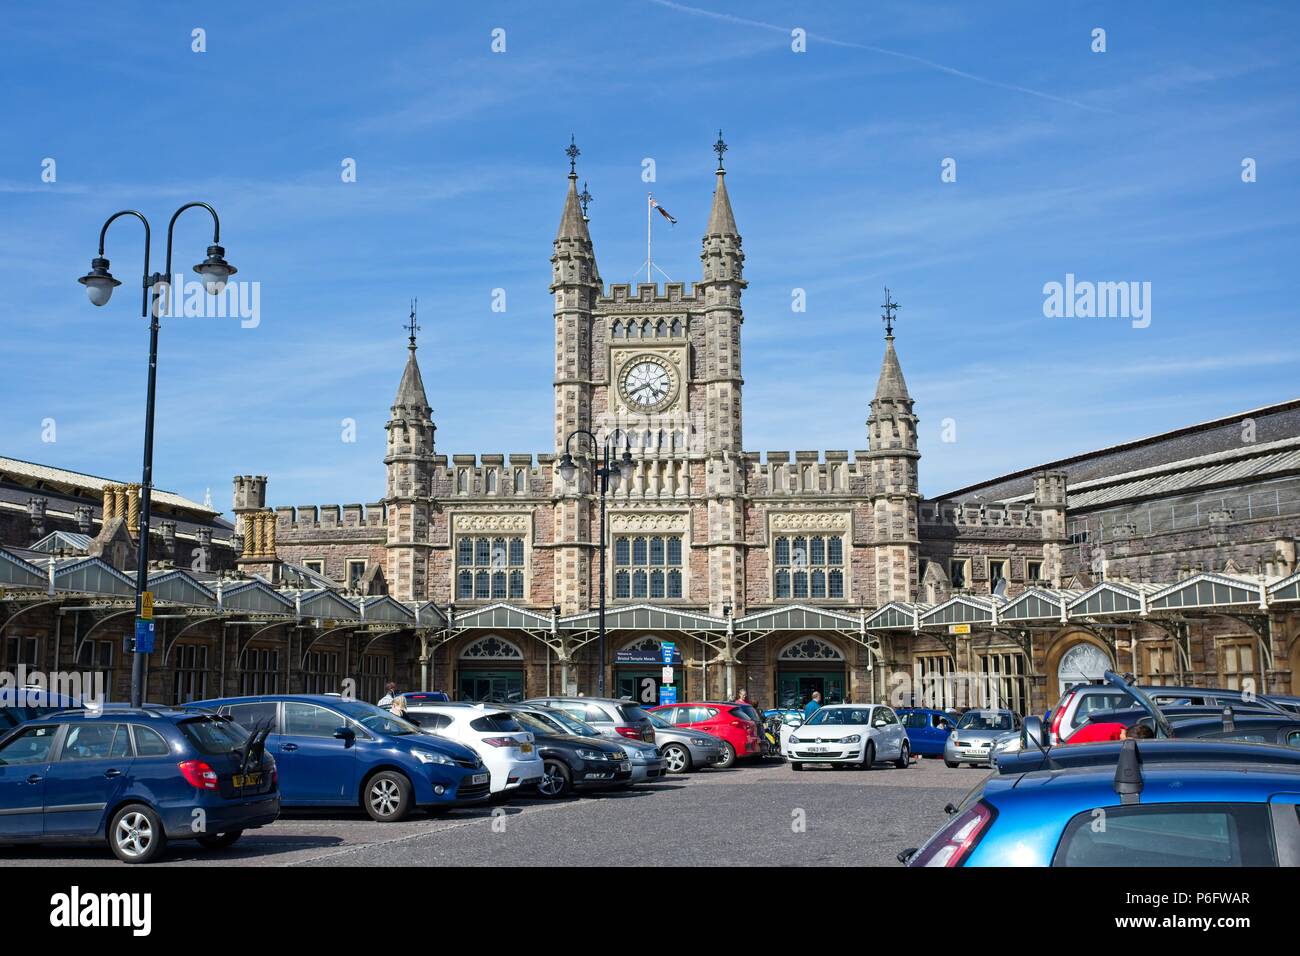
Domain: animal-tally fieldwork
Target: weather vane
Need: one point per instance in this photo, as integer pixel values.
(888, 317)
(411, 327)
(573, 153)
(719, 147)
(584, 197)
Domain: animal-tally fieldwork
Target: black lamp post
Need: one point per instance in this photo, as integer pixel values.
(610, 474)
(99, 283)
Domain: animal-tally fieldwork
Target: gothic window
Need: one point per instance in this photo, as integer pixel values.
(958, 572)
(647, 567)
(490, 481)
(489, 568)
(616, 330)
(521, 482)
(808, 567)
(677, 328)
(661, 328)
(462, 481)
(645, 329)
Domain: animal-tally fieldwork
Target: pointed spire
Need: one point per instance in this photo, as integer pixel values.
(721, 220)
(410, 391)
(891, 384)
(573, 221)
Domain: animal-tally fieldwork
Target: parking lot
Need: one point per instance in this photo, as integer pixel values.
(752, 814)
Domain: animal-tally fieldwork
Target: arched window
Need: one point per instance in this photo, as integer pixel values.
(491, 648)
(521, 481)
(835, 551)
(800, 584)
(498, 553)
(499, 585)
(638, 550)
(677, 327)
(481, 585)
(516, 552)
(661, 328)
(656, 584)
(465, 551)
(622, 585)
(783, 583)
(516, 584)
(819, 583)
(783, 551)
(656, 550)
(622, 551)
(638, 584)
(674, 550)
(645, 329)
(616, 331)
(810, 649)
(837, 583)
(490, 480)
(817, 551)
(462, 481)
(482, 552)
(674, 583)
(465, 585)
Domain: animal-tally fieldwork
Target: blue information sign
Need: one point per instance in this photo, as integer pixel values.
(667, 693)
(144, 636)
(666, 649)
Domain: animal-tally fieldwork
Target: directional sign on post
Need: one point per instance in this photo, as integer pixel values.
(667, 648)
(146, 605)
(143, 636)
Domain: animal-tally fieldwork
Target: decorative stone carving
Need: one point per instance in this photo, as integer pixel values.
(516, 523)
(650, 521)
(809, 521)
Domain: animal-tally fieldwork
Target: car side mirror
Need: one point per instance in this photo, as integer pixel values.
(1031, 733)
(345, 734)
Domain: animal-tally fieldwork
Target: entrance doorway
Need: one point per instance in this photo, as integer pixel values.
(795, 688)
(640, 686)
(505, 686)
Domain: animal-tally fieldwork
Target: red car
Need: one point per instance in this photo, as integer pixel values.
(739, 732)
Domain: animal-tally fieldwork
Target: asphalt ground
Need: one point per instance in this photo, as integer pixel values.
(752, 814)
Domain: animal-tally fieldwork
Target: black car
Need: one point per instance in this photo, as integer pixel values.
(1242, 728)
(1128, 716)
(573, 762)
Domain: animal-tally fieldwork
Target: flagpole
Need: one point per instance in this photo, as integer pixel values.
(649, 266)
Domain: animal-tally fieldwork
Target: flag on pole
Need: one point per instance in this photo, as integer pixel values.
(654, 204)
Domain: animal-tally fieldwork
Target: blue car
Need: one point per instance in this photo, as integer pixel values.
(18, 704)
(927, 729)
(136, 778)
(334, 752)
(1136, 811)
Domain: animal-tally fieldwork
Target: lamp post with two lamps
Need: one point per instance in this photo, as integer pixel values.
(100, 283)
(609, 474)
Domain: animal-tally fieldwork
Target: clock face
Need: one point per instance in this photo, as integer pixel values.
(647, 383)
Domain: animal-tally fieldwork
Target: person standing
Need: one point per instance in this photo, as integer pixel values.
(813, 704)
(390, 691)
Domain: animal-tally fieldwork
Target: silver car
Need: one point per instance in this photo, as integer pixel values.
(684, 749)
(972, 740)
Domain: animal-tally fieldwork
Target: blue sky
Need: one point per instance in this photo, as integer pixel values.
(1115, 166)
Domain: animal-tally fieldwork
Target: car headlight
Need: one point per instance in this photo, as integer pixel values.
(794, 739)
(591, 755)
(852, 739)
(430, 756)
(699, 741)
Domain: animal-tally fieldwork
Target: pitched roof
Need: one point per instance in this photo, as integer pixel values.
(30, 471)
(572, 224)
(410, 391)
(891, 384)
(721, 220)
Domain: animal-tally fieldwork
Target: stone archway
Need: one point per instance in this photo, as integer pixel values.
(811, 662)
(1079, 652)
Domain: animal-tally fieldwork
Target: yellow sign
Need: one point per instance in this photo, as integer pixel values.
(958, 628)
(146, 605)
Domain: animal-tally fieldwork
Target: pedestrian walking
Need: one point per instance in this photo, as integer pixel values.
(813, 704)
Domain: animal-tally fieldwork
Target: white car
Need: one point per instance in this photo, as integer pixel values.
(858, 735)
(505, 747)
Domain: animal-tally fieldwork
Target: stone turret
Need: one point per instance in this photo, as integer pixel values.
(410, 466)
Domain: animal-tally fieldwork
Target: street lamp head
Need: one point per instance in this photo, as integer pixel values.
(614, 477)
(215, 270)
(99, 282)
(625, 466)
(567, 468)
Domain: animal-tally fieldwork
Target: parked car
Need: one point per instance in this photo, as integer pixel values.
(334, 752)
(971, 741)
(136, 779)
(506, 748)
(927, 729)
(425, 696)
(647, 764)
(1161, 814)
(1243, 728)
(849, 734)
(571, 761)
(18, 704)
(729, 722)
(619, 718)
(685, 749)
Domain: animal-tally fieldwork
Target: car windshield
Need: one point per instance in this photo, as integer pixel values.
(374, 718)
(985, 720)
(573, 725)
(839, 715)
(539, 724)
(658, 722)
(214, 735)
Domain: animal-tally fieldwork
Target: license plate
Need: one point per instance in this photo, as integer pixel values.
(625, 765)
(819, 750)
(526, 749)
(241, 780)
(479, 778)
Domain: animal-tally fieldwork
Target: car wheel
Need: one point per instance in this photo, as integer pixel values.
(951, 763)
(136, 834)
(555, 780)
(795, 765)
(869, 755)
(219, 841)
(728, 757)
(388, 797)
(676, 759)
(904, 758)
